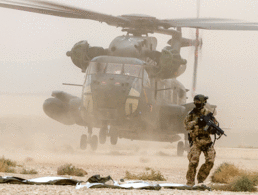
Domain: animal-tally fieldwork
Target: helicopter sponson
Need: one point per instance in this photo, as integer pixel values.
(64, 108)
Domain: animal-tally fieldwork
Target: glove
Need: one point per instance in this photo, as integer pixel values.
(191, 124)
(212, 130)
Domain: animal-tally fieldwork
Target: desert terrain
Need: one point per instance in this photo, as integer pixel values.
(39, 143)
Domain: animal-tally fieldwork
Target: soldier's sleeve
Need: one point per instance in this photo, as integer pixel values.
(189, 123)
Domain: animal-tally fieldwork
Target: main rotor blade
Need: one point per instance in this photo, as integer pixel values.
(50, 8)
(148, 23)
(41, 10)
(212, 24)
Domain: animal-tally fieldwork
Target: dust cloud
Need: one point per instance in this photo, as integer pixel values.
(42, 144)
(33, 63)
(24, 128)
(24, 125)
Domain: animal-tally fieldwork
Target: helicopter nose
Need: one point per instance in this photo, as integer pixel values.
(111, 97)
(109, 92)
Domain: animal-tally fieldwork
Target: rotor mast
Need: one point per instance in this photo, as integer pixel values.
(196, 52)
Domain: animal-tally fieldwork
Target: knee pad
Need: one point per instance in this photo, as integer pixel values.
(209, 164)
(193, 164)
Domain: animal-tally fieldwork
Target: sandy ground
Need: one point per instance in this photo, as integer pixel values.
(42, 144)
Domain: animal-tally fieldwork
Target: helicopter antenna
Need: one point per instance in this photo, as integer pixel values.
(198, 8)
(196, 52)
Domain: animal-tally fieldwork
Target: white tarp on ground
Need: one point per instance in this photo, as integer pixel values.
(40, 180)
(141, 185)
(110, 183)
(124, 185)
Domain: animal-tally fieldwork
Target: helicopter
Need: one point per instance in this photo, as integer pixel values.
(131, 90)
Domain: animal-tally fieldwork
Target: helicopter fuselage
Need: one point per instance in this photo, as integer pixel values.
(130, 90)
(118, 92)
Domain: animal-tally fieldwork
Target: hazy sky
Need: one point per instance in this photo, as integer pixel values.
(33, 48)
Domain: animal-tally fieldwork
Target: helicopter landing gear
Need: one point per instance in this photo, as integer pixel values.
(92, 140)
(83, 142)
(180, 148)
(113, 136)
(103, 135)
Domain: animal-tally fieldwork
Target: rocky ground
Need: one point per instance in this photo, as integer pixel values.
(44, 145)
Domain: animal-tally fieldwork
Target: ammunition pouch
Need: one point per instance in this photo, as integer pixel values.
(206, 147)
(202, 136)
(204, 144)
(190, 140)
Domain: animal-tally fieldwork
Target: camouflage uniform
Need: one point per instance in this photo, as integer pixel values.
(201, 143)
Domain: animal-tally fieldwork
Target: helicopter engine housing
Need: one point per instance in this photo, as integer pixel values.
(132, 46)
(170, 65)
(82, 53)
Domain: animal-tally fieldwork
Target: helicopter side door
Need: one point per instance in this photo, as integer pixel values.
(146, 104)
(172, 112)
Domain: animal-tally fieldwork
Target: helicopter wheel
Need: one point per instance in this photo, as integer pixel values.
(102, 135)
(94, 142)
(83, 142)
(113, 136)
(180, 148)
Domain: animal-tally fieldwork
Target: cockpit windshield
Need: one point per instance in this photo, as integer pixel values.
(132, 70)
(115, 68)
(95, 68)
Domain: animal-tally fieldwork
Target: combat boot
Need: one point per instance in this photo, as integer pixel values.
(190, 184)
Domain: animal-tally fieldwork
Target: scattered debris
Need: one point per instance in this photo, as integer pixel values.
(231, 178)
(6, 165)
(69, 169)
(99, 182)
(149, 174)
(28, 171)
(225, 173)
(39, 181)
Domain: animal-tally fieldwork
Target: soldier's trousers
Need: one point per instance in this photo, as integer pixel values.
(193, 157)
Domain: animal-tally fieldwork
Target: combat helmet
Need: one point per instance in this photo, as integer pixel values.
(202, 99)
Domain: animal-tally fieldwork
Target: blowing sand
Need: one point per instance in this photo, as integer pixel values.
(42, 144)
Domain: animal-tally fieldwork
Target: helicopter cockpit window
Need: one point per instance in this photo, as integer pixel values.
(97, 67)
(132, 70)
(113, 68)
(87, 87)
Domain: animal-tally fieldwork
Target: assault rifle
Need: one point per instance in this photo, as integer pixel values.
(206, 121)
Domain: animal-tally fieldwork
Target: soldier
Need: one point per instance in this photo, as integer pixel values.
(200, 141)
